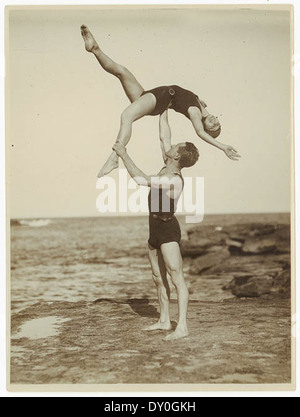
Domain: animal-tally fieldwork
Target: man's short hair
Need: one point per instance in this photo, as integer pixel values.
(189, 155)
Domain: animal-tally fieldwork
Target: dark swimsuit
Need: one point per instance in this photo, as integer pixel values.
(173, 97)
(163, 225)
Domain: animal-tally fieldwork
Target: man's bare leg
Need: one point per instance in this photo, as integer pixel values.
(163, 290)
(173, 261)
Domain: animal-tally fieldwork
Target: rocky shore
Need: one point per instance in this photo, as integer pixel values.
(102, 342)
(254, 259)
(244, 339)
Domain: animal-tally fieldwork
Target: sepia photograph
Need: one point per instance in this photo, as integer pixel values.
(150, 206)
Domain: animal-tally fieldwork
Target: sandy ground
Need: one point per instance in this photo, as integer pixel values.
(245, 341)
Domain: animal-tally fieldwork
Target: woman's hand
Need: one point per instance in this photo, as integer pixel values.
(231, 152)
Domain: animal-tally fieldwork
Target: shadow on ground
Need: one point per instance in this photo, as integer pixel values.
(142, 306)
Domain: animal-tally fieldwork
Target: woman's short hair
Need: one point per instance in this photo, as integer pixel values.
(213, 133)
(189, 155)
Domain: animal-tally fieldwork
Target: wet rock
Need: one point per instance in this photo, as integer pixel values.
(278, 241)
(284, 260)
(252, 286)
(278, 285)
(282, 285)
(202, 247)
(207, 261)
(215, 249)
(246, 341)
(248, 265)
(239, 280)
(233, 243)
(259, 246)
(252, 230)
(256, 255)
(207, 236)
(283, 239)
(191, 250)
(254, 238)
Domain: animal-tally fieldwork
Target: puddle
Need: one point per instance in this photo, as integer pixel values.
(40, 328)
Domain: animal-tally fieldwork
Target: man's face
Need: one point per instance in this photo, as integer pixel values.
(173, 152)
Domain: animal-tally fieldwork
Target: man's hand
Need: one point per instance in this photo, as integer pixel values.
(231, 153)
(120, 149)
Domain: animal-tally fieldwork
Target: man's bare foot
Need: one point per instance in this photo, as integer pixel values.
(111, 164)
(89, 40)
(178, 334)
(159, 326)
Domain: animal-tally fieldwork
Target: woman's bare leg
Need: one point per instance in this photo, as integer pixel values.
(131, 86)
(141, 105)
(159, 275)
(138, 109)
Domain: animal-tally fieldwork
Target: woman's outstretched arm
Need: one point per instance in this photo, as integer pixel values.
(195, 117)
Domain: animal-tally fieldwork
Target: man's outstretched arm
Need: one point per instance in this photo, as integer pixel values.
(137, 174)
(141, 178)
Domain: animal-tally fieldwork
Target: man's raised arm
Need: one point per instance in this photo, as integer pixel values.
(164, 182)
(164, 134)
(137, 174)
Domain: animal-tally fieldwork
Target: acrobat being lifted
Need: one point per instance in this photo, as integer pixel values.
(154, 102)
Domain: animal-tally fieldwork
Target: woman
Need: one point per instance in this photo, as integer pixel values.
(154, 102)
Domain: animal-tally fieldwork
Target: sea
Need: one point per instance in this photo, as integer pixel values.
(85, 259)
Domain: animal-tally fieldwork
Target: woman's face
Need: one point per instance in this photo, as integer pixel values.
(212, 122)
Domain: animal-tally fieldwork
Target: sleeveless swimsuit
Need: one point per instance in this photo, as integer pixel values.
(163, 225)
(173, 97)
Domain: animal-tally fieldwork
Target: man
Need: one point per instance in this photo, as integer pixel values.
(165, 235)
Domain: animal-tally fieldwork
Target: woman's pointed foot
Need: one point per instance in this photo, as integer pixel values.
(89, 40)
(108, 168)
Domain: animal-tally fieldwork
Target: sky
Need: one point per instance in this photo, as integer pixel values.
(63, 110)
